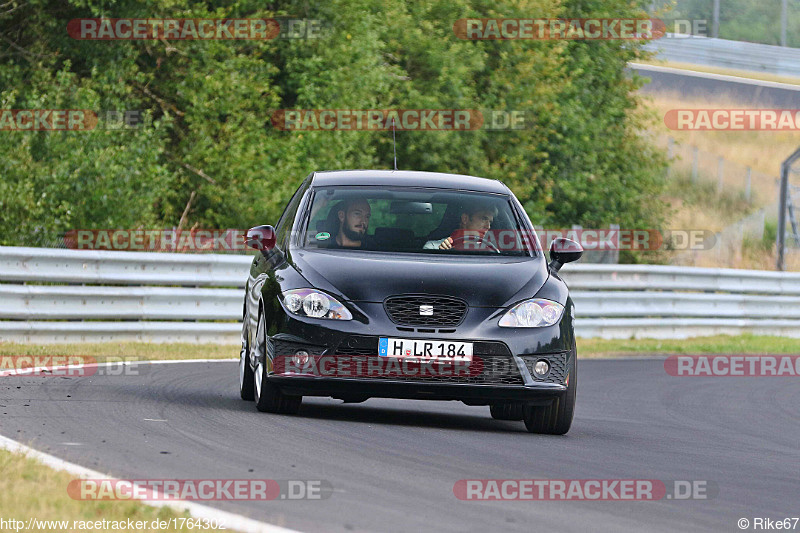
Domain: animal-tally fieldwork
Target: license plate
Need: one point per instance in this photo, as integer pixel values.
(425, 349)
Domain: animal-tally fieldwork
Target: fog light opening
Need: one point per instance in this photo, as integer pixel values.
(541, 368)
(300, 357)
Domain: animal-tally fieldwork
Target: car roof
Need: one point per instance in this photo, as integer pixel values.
(408, 178)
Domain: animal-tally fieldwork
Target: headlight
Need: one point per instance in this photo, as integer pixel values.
(533, 313)
(314, 304)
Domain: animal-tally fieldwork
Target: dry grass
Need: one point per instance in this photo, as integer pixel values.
(32, 490)
(763, 151)
(699, 206)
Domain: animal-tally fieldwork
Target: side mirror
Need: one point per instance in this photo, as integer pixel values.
(564, 251)
(261, 238)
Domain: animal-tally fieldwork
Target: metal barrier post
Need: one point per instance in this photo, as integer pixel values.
(747, 183)
(782, 206)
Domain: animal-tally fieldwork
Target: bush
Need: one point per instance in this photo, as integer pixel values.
(208, 103)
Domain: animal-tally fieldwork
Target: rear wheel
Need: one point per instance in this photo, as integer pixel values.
(556, 418)
(506, 410)
(268, 397)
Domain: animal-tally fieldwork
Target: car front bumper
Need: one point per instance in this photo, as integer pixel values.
(540, 393)
(508, 354)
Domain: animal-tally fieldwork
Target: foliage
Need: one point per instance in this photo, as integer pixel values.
(739, 20)
(207, 106)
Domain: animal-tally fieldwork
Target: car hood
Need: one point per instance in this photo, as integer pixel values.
(371, 276)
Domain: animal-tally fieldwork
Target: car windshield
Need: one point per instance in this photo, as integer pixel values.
(415, 220)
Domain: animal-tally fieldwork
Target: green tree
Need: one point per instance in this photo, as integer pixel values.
(207, 148)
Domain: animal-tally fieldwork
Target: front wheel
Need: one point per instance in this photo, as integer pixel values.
(268, 397)
(246, 384)
(556, 418)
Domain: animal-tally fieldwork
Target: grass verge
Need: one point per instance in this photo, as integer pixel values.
(719, 344)
(128, 350)
(33, 490)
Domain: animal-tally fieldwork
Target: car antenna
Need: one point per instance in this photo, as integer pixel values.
(394, 145)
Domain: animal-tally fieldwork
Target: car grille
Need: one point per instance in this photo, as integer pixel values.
(499, 367)
(405, 310)
(558, 366)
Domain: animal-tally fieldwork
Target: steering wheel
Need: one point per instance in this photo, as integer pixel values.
(480, 239)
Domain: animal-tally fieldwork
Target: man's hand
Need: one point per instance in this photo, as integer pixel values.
(446, 244)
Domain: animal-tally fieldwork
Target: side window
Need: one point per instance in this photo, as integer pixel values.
(287, 219)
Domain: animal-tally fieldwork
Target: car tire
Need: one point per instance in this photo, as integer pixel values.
(507, 410)
(269, 397)
(246, 384)
(556, 418)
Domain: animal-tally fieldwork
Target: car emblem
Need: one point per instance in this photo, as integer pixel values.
(426, 310)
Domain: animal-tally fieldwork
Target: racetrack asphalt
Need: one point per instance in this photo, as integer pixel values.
(393, 463)
(688, 84)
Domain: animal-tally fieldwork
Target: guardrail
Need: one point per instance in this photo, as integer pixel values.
(56, 295)
(123, 268)
(653, 301)
(98, 296)
(723, 53)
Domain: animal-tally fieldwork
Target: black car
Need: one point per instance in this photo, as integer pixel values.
(416, 285)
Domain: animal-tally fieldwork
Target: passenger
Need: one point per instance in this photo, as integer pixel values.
(353, 218)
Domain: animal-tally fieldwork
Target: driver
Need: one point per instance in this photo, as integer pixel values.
(476, 220)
